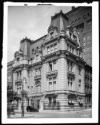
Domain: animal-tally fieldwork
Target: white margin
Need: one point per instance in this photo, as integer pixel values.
(95, 65)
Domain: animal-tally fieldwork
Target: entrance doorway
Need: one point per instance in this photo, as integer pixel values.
(52, 102)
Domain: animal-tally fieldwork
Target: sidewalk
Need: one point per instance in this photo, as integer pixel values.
(53, 114)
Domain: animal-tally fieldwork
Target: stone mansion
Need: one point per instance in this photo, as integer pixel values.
(56, 69)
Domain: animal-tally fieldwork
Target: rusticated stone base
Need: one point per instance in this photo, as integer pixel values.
(62, 104)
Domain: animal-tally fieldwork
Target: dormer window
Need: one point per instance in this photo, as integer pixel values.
(51, 34)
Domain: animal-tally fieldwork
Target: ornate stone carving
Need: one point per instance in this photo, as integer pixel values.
(69, 31)
(73, 34)
(76, 36)
(52, 32)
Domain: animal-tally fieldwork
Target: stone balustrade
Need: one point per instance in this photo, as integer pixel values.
(21, 62)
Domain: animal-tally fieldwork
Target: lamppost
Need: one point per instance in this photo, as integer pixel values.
(22, 106)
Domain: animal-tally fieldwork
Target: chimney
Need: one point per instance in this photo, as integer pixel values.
(73, 7)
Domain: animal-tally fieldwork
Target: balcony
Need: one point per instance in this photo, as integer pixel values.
(36, 77)
(18, 81)
(52, 74)
(71, 74)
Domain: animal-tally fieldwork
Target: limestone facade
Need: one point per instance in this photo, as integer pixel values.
(52, 69)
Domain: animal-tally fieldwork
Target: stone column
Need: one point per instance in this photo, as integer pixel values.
(42, 104)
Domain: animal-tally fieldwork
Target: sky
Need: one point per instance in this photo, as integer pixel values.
(28, 21)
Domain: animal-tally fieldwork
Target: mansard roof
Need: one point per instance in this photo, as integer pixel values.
(60, 13)
(37, 40)
(59, 20)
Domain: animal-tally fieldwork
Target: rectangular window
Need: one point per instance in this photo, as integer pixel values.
(55, 46)
(50, 79)
(38, 71)
(52, 83)
(77, 52)
(50, 66)
(52, 48)
(79, 70)
(32, 51)
(48, 49)
(80, 27)
(37, 57)
(70, 66)
(70, 82)
(67, 46)
(72, 50)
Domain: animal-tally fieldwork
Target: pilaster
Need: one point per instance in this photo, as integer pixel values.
(62, 42)
(14, 81)
(62, 73)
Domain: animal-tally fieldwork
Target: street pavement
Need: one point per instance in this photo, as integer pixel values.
(86, 113)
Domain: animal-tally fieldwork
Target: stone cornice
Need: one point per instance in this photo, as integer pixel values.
(35, 64)
(63, 54)
(58, 92)
(20, 67)
(53, 56)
